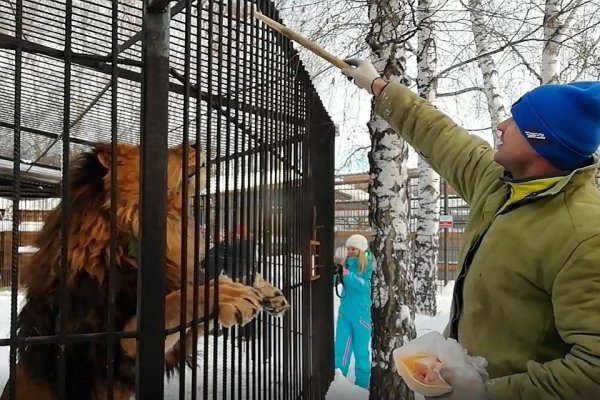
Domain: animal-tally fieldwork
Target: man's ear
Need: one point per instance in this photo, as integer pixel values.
(102, 151)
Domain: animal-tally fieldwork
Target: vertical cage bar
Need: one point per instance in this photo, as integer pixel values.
(220, 216)
(286, 222)
(183, 351)
(283, 163)
(243, 84)
(302, 235)
(211, 220)
(252, 348)
(274, 191)
(16, 198)
(65, 214)
(292, 289)
(268, 188)
(305, 235)
(112, 273)
(234, 73)
(298, 284)
(322, 149)
(255, 40)
(197, 209)
(230, 234)
(153, 184)
(262, 165)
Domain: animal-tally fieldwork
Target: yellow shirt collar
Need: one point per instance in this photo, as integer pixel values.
(520, 190)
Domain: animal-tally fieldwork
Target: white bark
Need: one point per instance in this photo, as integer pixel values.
(552, 39)
(393, 295)
(426, 239)
(489, 70)
(555, 33)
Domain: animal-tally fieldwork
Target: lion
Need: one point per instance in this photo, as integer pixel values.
(86, 284)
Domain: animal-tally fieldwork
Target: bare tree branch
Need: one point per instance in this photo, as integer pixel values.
(461, 91)
(351, 156)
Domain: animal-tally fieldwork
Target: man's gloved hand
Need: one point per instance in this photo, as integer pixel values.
(466, 382)
(363, 73)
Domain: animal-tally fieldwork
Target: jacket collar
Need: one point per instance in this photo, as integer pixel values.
(577, 177)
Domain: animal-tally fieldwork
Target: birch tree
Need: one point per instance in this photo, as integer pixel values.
(557, 23)
(392, 290)
(487, 65)
(426, 237)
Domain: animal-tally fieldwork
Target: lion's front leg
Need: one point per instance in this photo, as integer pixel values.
(238, 305)
(272, 299)
(172, 318)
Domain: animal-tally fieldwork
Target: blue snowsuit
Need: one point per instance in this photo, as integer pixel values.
(353, 330)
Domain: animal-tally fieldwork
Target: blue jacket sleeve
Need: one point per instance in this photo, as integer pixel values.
(362, 282)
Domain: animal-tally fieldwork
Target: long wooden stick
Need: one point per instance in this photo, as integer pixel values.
(304, 41)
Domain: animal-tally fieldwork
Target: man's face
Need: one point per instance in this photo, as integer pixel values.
(514, 153)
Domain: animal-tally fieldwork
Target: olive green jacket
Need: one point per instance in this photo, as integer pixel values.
(528, 294)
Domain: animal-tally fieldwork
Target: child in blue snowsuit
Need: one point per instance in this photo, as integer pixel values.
(353, 330)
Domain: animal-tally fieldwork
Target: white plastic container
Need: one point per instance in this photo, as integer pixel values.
(412, 366)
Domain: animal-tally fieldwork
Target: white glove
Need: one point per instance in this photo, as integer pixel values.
(467, 384)
(363, 74)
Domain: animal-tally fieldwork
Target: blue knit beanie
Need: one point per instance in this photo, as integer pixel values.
(561, 122)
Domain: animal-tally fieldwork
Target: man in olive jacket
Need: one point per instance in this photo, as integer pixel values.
(528, 294)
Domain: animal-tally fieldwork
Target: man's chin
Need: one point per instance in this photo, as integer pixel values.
(497, 156)
(499, 159)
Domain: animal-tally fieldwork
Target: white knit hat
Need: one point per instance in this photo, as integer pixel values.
(358, 241)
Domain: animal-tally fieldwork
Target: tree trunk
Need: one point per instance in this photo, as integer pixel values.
(491, 83)
(554, 35)
(426, 240)
(393, 293)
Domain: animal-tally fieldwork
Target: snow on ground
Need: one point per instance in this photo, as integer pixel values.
(5, 332)
(259, 368)
(344, 389)
(341, 388)
(226, 372)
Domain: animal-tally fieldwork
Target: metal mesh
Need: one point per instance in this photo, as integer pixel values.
(75, 73)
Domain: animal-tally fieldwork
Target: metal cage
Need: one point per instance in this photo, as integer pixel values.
(236, 99)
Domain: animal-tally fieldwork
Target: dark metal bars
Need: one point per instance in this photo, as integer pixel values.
(153, 184)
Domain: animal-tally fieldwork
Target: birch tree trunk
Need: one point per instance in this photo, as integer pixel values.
(426, 238)
(393, 295)
(554, 35)
(552, 39)
(491, 83)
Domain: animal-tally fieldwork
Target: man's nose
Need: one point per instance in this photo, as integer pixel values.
(500, 128)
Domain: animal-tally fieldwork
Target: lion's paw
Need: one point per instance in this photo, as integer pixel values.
(239, 307)
(273, 301)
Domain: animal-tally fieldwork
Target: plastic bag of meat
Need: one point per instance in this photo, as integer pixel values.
(419, 363)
